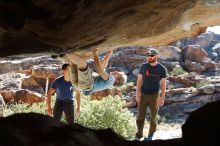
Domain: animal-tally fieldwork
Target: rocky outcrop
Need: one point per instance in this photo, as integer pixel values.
(59, 26)
(208, 41)
(21, 96)
(11, 80)
(196, 59)
(20, 64)
(45, 71)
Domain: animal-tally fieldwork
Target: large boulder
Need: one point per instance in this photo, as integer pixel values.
(194, 53)
(202, 126)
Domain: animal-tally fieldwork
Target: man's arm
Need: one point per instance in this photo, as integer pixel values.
(163, 92)
(100, 70)
(139, 85)
(49, 94)
(78, 101)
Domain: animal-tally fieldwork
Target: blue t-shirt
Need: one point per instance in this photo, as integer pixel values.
(151, 77)
(64, 89)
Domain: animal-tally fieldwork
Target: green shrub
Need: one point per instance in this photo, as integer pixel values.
(41, 108)
(177, 71)
(24, 108)
(107, 113)
(125, 87)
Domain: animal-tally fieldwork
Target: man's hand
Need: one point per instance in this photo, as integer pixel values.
(78, 112)
(49, 94)
(138, 97)
(49, 112)
(160, 100)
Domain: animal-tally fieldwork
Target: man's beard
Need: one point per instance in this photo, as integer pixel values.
(150, 60)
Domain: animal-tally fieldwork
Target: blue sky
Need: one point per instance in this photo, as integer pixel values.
(215, 29)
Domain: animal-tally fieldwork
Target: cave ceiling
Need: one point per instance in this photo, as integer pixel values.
(51, 26)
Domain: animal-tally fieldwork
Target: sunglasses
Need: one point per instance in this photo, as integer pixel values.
(150, 55)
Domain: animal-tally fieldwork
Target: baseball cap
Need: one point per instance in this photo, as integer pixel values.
(152, 52)
(64, 66)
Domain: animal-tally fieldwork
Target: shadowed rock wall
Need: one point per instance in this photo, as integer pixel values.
(202, 127)
(32, 26)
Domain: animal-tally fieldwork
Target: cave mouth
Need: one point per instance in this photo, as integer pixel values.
(191, 78)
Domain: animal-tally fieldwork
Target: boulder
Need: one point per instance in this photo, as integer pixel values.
(30, 83)
(209, 65)
(194, 53)
(194, 67)
(202, 126)
(169, 53)
(21, 96)
(99, 95)
(217, 48)
(181, 79)
(45, 71)
(204, 40)
(208, 89)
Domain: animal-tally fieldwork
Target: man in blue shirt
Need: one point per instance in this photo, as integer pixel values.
(64, 97)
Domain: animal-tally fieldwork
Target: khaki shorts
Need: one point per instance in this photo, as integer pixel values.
(73, 75)
(81, 79)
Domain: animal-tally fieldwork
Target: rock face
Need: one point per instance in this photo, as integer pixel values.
(33, 26)
(202, 127)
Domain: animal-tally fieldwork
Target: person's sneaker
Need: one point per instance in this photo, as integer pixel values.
(137, 139)
(150, 137)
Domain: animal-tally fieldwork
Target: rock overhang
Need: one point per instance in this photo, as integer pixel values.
(39, 26)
